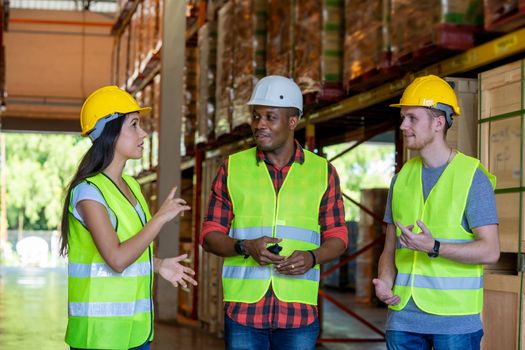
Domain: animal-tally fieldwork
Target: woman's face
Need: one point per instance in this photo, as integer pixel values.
(130, 143)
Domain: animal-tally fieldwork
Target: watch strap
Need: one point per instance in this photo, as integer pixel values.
(435, 250)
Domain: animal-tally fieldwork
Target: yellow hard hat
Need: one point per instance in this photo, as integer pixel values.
(105, 102)
(430, 91)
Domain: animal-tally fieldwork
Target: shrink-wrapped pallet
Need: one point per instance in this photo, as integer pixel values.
(307, 45)
(224, 83)
(206, 77)
(367, 39)
(249, 55)
(279, 48)
(417, 25)
(317, 44)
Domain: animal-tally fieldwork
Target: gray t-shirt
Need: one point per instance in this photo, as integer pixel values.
(86, 191)
(480, 211)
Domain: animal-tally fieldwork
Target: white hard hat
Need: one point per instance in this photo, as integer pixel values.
(277, 91)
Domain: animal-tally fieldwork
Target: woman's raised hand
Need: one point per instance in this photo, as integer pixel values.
(171, 207)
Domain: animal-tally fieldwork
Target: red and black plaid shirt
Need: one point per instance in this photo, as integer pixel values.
(270, 312)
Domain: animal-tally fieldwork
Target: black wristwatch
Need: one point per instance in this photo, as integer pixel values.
(240, 249)
(435, 251)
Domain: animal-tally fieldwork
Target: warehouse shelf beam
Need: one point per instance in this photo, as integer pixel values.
(490, 52)
(124, 17)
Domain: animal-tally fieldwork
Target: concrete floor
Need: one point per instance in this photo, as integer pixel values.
(33, 315)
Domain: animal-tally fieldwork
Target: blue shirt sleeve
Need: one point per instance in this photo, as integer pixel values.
(388, 219)
(481, 202)
(85, 191)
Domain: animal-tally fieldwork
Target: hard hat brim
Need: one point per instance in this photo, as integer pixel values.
(456, 113)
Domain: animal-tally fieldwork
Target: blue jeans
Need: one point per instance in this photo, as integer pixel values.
(239, 337)
(145, 346)
(398, 340)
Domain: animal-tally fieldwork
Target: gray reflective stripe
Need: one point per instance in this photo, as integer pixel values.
(246, 272)
(456, 241)
(403, 279)
(298, 234)
(442, 240)
(109, 308)
(448, 282)
(103, 270)
(444, 283)
(250, 232)
(310, 275)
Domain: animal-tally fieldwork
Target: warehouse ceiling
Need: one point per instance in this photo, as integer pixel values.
(66, 5)
(54, 59)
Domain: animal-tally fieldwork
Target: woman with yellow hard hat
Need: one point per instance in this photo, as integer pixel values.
(107, 232)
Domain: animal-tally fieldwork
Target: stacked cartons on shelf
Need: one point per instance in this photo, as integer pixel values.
(463, 135)
(147, 126)
(369, 230)
(210, 313)
(501, 151)
(317, 47)
(189, 114)
(418, 26)
(249, 55)
(366, 40)
(224, 83)
(206, 75)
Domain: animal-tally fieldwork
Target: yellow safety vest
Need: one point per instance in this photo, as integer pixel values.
(292, 215)
(438, 285)
(109, 310)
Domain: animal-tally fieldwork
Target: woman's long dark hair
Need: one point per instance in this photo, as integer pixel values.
(96, 159)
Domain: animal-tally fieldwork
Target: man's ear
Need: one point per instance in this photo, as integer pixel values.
(293, 121)
(441, 122)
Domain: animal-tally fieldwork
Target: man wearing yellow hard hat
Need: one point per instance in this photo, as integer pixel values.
(442, 226)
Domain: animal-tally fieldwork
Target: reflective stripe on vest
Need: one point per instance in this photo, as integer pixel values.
(289, 232)
(443, 283)
(115, 309)
(259, 212)
(100, 298)
(442, 240)
(103, 270)
(263, 273)
(438, 285)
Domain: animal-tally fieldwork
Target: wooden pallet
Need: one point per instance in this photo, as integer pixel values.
(445, 40)
(329, 93)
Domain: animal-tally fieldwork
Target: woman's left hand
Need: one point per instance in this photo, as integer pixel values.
(171, 270)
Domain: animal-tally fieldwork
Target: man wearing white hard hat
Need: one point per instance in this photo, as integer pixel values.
(441, 228)
(275, 213)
